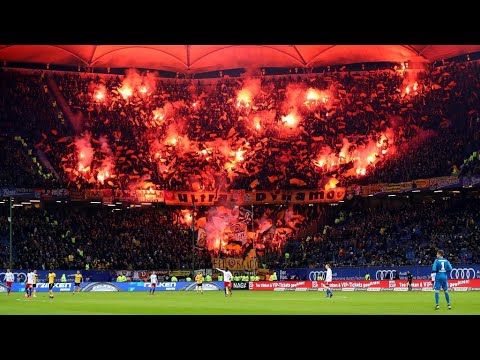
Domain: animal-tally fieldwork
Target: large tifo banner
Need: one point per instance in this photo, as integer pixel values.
(241, 197)
(377, 273)
(117, 286)
(366, 285)
(253, 197)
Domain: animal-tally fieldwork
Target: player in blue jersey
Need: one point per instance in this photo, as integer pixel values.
(440, 268)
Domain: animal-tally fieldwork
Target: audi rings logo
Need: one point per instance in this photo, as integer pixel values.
(317, 275)
(385, 274)
(462, 273)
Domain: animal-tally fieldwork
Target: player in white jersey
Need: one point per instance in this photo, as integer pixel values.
(153, 283)
(227, 281)
(29, 284)
(328, 280)
(9, 278)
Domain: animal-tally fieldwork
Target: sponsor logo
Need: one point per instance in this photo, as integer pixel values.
(162, 284)
(384, 274)
(240, 285)
(317, 275)
(61, 286)
(462, 273)
(205, 286)
(99, 286)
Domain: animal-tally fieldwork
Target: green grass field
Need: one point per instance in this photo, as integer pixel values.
(242, 303)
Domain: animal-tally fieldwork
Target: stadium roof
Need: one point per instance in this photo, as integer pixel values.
(202, 58)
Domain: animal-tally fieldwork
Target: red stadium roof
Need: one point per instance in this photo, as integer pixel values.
(201, 58)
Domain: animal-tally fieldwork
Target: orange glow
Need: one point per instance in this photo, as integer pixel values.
(99, 95)
(332, 184)
(244, 98)
(125, 91)
(158, 114)
(239, 155)
(407, 90)
(313, 95)
(143, 89)
(82, 155)
(361, 171)
(290, 120)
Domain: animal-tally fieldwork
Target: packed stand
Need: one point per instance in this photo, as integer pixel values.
(185, 135)
(405, 234)
(72, 237)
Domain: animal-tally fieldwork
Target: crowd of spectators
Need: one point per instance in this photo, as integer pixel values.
(408, 233)
(183, 134)
(389, 234)
(72, 237)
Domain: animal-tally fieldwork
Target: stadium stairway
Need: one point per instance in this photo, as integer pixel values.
(56, 94)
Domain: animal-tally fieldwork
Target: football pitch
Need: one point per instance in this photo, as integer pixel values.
(241, 303)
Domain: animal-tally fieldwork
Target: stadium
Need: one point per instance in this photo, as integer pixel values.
(318, 179)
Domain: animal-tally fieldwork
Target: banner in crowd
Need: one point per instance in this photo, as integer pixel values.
(235, 264)
(377, 273)
(360, 285)
(473, 180)
(209, 198)
(242, 197)
(437, 183)
(54, 194)
(20, 192)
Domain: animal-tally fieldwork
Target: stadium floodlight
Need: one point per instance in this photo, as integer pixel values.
(438, 191)
(392, 195)
(35, 201)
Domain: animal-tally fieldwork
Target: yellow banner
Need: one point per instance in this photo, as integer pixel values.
(233, 264)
